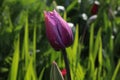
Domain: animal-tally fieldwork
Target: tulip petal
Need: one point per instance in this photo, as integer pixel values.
(64, 30)
(52, 32)
(58, 31)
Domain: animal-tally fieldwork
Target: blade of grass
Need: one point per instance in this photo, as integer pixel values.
(91, 61)
(91, 39)
(97, 43)
(79, 72)
(34, 44)
(15, 62)
(71, 6)
(116, 70)
(26, 40)
(100, 60)
(30, 74)
(75, 44)
(41, 74)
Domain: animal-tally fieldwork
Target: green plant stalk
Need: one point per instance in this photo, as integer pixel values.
(66, 64)
(116, 70)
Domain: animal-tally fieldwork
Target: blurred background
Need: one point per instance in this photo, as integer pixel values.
(25, 53)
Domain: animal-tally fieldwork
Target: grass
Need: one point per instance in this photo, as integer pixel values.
(25, 53)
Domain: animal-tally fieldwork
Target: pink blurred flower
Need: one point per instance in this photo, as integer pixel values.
(64, 72)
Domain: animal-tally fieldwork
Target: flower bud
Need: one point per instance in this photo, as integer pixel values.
(58, 31)
(95, 8)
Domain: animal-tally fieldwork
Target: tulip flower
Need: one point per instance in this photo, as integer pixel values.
(95, 8)
(58, 31)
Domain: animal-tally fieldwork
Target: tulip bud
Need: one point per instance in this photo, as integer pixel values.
(95, 7)
(91, 19)
(58, 31)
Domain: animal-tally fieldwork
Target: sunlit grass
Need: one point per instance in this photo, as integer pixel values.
(22, 34)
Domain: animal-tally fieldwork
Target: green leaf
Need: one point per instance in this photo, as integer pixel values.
(34, 43)
(26, 42)
(100, 59)
(30, 73)
(41, 74)
(75, 45)
(71, 6)
(15, 62)
(55, 73)
(91, 39)
(116, 70)
(97, 44)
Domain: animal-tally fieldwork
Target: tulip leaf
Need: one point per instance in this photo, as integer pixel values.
(55, 73)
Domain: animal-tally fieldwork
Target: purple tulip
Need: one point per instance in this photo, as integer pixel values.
(58, 32)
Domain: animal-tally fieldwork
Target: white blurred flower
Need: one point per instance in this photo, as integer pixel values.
(97, 2)
(71, 24)
(84, 16)
(119, 8)
(60, 8)
(115, 12)
(37, 51)
(112, 37)
(79, 1)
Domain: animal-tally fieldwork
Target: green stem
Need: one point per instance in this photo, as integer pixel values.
(66, 64)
